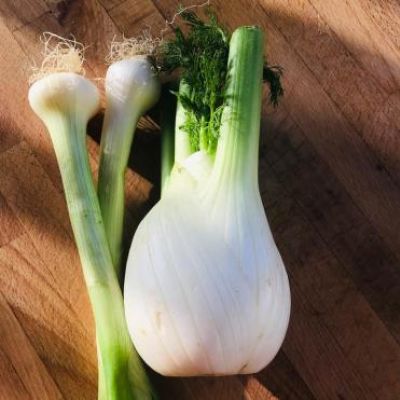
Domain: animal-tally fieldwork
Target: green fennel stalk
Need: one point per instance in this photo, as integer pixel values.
(237, 152)
(202, 55)
(167, 122)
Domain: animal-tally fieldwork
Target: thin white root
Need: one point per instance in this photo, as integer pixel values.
(59, 55)
(168, 23)
(143, 44)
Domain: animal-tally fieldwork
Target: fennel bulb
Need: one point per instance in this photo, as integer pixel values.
(206, 291)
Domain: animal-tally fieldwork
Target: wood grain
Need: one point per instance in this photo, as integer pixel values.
(20, 363)
(329, 178)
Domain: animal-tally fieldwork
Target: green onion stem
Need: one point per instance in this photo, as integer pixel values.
(121, 374)
(116, 142)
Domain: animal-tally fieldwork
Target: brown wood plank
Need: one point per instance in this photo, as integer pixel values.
(280, 378)
(329, 175)
(26, 376)
(41, 275)
(338, 220)
(304, 270)
(131, 22)
(109, 4)
(386, 16)
(11, 385)
(9, 135)
(376, 53)
(367, 95)
(203, 388)
(10, 227)
(19, 12)
(339, 317)
(254, 390)
(18, 123)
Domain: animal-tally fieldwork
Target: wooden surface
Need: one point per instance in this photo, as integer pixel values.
(329, 175)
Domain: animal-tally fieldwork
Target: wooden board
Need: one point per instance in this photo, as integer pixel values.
(329, 176)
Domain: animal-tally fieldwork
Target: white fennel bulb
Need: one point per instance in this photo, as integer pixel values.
(206, 291)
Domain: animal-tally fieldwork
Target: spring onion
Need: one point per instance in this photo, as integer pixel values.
(64, 100)
(132, 87)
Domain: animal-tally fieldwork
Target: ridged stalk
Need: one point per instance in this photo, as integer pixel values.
(183, 147)
(237, 150)
(167, 121)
